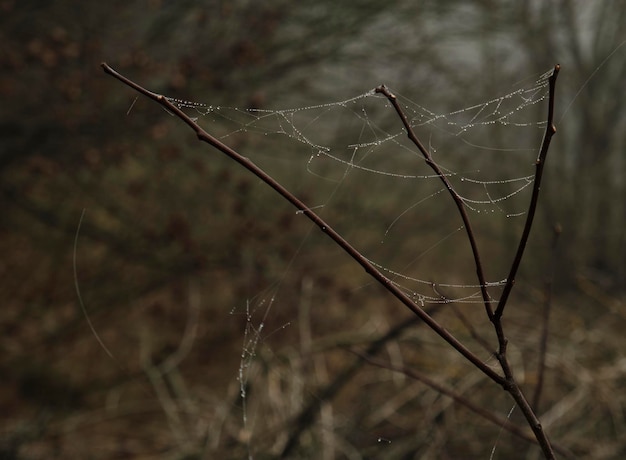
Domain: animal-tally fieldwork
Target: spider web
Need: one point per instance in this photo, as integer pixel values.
(313, 127)
(362, 134)
(481, 148)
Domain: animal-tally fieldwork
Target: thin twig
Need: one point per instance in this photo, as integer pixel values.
(458, 201)
(539, 164)
(512, 386)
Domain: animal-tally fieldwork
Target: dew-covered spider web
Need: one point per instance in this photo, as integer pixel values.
(355, 153)
(486, 150)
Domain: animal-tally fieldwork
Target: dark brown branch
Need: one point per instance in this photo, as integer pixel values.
(455, 196)
(539, 164)
(323, 226)
(511, 385)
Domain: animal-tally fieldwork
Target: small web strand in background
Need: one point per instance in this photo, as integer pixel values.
(78, 294)
(495, 445)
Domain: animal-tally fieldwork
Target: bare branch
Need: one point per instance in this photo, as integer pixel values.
(545, 145)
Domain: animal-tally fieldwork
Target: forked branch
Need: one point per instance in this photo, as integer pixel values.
(495, 317)
(507, 381)
(458, 201)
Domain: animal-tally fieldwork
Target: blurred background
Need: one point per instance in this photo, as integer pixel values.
(203, 286)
